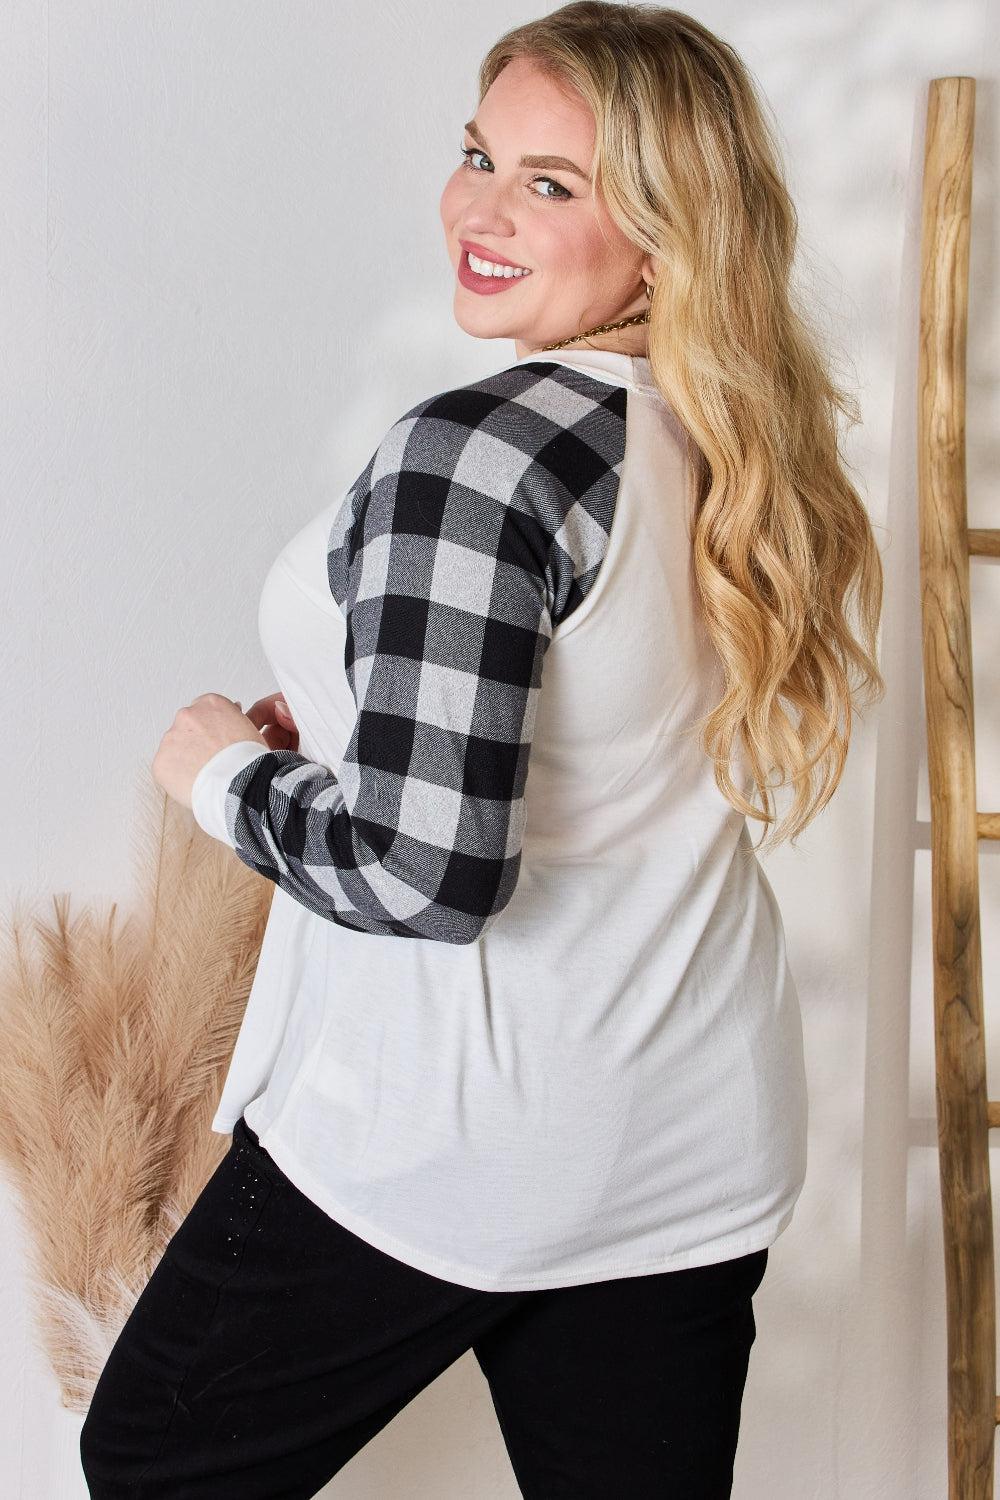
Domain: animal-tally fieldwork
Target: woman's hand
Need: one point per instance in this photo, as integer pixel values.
(271, 717)
(206, 726)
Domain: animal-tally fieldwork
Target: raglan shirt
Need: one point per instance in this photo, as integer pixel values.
(522, 1015)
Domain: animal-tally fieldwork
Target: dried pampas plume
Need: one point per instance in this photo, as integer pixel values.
(116, 1039)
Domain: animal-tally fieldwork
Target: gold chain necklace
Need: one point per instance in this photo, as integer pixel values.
(642, 317)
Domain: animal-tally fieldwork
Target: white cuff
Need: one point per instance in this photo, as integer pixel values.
(209, 788)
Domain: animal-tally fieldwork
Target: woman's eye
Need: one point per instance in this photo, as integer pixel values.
(470, 151)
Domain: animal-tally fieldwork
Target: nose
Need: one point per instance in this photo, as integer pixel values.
(488, 209)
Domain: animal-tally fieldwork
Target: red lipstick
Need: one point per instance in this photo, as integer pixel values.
(486, 285)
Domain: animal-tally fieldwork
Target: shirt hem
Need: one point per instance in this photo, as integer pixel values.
(714, 1251)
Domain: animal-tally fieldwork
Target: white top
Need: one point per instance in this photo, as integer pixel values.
(597, 1069)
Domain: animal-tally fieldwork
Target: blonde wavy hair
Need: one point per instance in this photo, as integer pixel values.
(690, 171)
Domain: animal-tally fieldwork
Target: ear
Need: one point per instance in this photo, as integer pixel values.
(650, 269)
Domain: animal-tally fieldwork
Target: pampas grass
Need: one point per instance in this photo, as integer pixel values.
(116, 1036)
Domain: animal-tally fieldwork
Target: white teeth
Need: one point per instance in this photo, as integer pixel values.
(489, 268)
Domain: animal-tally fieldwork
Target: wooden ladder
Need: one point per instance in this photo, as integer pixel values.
(965, 1115)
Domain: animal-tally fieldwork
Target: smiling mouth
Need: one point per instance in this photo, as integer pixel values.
(487, 283)
(478, 264)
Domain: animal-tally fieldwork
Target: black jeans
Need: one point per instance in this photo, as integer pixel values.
(271, 1344)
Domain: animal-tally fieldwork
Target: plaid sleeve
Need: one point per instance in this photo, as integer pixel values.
(446, 598)
(473, 523)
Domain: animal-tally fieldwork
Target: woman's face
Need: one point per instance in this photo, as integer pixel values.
(542, 216)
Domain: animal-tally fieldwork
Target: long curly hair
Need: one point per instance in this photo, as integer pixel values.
(689, 168)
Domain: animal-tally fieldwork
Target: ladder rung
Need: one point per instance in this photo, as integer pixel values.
(988, 825)
(992, 1112)
(984, 541)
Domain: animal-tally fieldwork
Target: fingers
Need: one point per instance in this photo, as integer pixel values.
(268, 710)
(277, 738)
(272, 717)
(259, 713)
(265, 711)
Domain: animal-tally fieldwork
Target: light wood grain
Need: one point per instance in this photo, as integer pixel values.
(964, 1114)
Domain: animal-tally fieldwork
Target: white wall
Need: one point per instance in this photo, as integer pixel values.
(223, 278)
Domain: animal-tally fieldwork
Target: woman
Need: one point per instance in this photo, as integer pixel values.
(521, 1071)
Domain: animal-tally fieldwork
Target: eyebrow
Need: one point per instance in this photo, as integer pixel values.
(558, 163)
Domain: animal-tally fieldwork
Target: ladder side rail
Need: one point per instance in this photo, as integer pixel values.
(960, 1053)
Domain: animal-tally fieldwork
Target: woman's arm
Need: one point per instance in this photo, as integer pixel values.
(442, 569)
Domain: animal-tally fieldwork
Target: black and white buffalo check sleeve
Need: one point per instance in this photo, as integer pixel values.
(478, 524)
